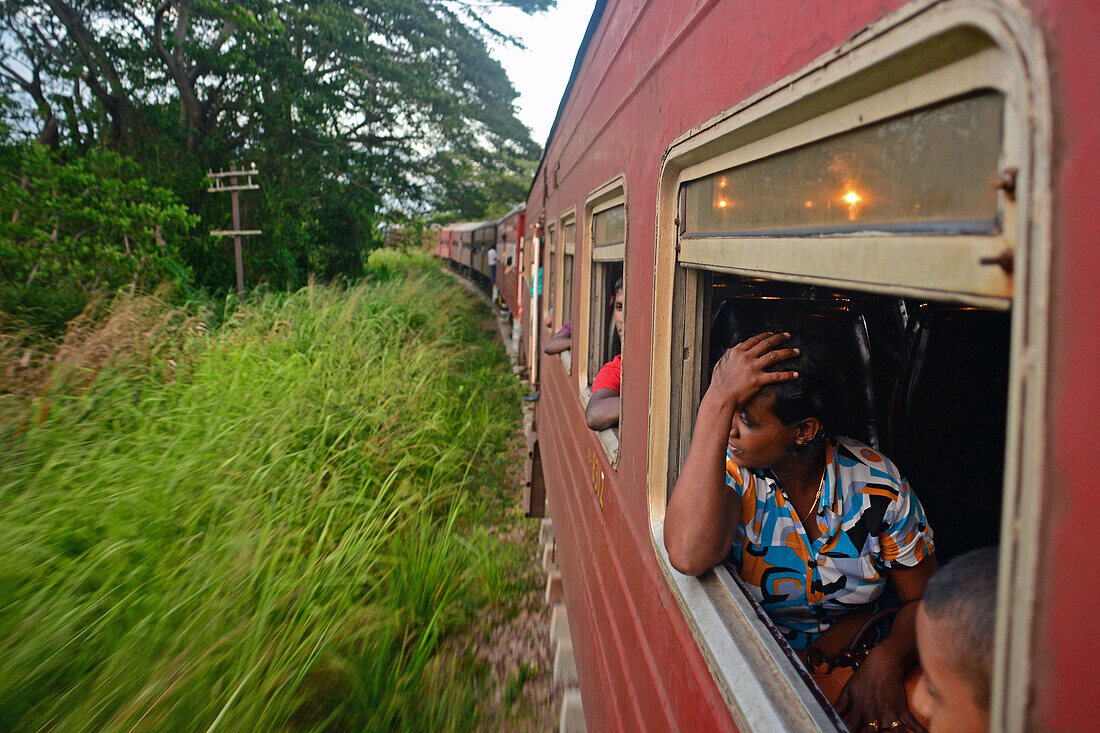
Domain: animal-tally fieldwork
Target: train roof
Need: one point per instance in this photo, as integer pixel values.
(513, 211)
(468, 226)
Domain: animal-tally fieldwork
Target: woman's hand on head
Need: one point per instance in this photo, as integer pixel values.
(740, 374)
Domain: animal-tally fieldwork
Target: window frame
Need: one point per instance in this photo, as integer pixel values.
(607, 196)
(602, 257)
(893, 67)
(568, 218)
(551, 268)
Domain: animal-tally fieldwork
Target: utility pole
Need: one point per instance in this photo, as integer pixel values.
(219, 186)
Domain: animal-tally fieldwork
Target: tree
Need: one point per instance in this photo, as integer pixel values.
(68, 229)
(350, 108)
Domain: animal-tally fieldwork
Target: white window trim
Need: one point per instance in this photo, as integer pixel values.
(767, 696)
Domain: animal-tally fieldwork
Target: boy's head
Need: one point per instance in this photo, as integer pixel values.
(955, 623)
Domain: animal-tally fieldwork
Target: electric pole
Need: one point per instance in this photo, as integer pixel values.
(219, 186)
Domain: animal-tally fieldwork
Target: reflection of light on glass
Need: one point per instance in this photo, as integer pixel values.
(722, 183)
(852, 200)
(722, 203)
(809, 204)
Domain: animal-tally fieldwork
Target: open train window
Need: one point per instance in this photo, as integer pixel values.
(604, 341)
(564, 314)
(925, 382)
(552, 268)
(888, 190)
(605, 219)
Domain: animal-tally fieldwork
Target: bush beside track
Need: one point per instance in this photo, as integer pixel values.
(274, 522)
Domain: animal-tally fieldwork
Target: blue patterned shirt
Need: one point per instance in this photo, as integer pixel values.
(869, 521)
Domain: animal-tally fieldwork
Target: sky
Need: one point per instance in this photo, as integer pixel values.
(541, 71)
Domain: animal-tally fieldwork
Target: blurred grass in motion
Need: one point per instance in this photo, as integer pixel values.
(273, 523)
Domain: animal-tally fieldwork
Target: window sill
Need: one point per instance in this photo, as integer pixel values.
(607, 437)
(772, 691)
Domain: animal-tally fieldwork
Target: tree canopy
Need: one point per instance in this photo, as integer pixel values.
(351, 110)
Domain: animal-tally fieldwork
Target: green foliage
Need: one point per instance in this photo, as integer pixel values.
(354, 112)
(273, 525)
(514, 689)
(472, 189)
(71, 228)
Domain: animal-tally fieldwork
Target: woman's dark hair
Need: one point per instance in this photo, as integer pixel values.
(819, 390)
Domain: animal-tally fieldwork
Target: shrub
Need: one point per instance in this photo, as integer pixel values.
(69, 229)
(272, 524)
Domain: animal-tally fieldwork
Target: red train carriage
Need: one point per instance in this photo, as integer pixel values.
(919, 172)
(509, 230)
(443, 237)
(465, 245)
(462, 242)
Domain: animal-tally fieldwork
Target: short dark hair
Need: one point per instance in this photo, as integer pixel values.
(964, 593)
(819, 390)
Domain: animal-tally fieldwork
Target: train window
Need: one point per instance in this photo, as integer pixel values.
(605, 342)
(484, 236)
(605, 236)
(887, 191)
(925, 382)
(607, 272)
(569, 231)
(925, 170)
(551, 264)
(564, 313)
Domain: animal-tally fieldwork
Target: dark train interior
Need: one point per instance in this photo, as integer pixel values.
(925, 382)
(604, 337)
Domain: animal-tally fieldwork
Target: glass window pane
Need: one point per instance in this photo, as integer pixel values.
(924, 171)
(567, 289)
(609, 227)
(570, 234)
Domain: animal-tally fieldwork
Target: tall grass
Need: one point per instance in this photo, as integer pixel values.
(272, 524)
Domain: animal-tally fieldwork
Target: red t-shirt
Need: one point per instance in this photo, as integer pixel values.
(610, 375)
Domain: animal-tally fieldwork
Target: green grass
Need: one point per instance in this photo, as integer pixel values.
(271, 524)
